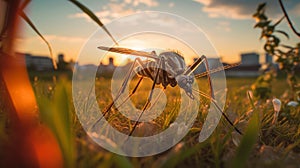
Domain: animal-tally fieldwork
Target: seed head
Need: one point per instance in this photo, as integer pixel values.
(293, 103)
(276, 104)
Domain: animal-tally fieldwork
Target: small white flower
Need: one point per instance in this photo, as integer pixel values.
(276, 104)
(277, 107)
(293, 103)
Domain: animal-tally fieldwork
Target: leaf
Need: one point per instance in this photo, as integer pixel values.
(278, 21)
(174, 158)
(267, 47)
(57, 115)
(248, 141)
(93, 17)
(270, 29)
(282, 32)
(286, 46)
(30, 23)
(262, 24)
(263, 34)
(261, 7)
(263, 17)
(255, 15)
(276, 41)
(250, 97)
(122, 161)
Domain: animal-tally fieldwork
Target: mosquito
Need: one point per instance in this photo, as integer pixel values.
(167, 68)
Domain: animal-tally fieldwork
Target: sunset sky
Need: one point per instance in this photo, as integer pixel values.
(228, 24)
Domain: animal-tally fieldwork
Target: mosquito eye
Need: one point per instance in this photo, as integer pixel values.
(191, 80)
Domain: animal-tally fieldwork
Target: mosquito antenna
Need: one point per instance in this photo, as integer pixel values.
(221, 68)
(219, 109)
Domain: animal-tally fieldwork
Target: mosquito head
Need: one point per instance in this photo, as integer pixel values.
(186, 82)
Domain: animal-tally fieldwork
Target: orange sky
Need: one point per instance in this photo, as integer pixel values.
(228, 25)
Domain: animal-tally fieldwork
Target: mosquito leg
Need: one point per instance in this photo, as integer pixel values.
(133, 91)
(150, 95)
(218, 108)
(160, 93)
(191, 69)
(194, 66)
(165, 80)
(212, 93)
(122, 89)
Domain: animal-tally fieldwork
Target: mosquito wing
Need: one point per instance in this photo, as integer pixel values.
(130, 51)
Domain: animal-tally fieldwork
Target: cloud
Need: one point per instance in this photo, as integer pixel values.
(110, 11)
(224, 26)
(238, 9)
(149, 3)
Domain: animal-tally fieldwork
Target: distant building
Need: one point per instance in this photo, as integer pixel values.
(38, 63)
(249, 59)
(62, 65)
(243, 71)
(250, 66)
(106, 70)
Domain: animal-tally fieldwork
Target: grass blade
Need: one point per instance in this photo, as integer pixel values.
(284, 33)
(57, 115)
(278, 21)
(93, 17)
(30, 23)
(249, 139)
(121, 161)
(177, 157)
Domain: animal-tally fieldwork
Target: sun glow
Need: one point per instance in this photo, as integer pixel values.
(149, 42)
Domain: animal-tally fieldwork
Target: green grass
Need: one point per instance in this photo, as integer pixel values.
(262, 145)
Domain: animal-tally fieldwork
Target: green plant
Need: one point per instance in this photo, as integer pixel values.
(288, 57)
(262, 87)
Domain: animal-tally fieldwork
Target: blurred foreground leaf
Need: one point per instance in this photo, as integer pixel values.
(176, 157)
(121, 161)
(57, 115)
(249, 139)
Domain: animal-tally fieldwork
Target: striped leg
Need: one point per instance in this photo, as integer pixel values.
(122, 89)
(218, 108)
(212, 94)
(150, 95)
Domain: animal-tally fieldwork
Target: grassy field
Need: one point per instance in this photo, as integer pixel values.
(263, 144)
